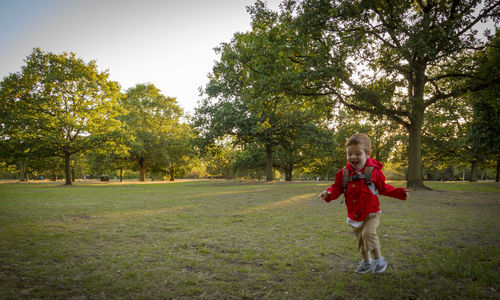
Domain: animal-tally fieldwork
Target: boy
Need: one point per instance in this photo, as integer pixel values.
(363, 206)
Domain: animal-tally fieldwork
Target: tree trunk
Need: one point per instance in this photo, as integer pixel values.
(142, 169)
(416, 94)
(22, 166)
(415, 179)
(288, 174)
(227, 171)
(121, 174)
(67, 171)
(376, 144)
(473, 171)
(497, 178)
(269, 163)
(172, 171)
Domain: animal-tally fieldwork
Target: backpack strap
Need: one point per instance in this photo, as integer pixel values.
(368, 180)
(367, 176)
(345, 178)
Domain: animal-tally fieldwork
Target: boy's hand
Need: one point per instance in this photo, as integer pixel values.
(324, 195)
(407, 191)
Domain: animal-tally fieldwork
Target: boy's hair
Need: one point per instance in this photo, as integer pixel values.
(360, 139)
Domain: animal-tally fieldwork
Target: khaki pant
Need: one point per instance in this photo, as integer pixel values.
(367, 234)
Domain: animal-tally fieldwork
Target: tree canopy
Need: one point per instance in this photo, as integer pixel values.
(57, 105)
(420, 77)
(485, 125)
(151, 119)
(245, 101)
(394, 60)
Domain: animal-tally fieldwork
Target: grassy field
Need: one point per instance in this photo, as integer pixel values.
(227, 239)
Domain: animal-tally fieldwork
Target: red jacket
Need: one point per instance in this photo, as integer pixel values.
(359, 200)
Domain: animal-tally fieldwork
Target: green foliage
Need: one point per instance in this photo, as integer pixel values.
(217, 159)
(393, 60)
(245, 99)
(250, 162)
(306, 144)
(463, 130)
(7, 171)
(177, 150)
(415, 76)
(57, 105)
(157, 140)
(444, 140)
(484, 129)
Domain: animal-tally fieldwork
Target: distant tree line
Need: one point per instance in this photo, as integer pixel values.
(58, 106)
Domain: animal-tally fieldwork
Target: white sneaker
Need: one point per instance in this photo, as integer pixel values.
(364, 267)
(378, 265)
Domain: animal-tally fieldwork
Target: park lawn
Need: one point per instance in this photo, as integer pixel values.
(230, 239)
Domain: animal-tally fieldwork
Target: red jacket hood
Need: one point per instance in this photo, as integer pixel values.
(370, 162)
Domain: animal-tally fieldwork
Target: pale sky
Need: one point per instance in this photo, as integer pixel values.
(168, 43)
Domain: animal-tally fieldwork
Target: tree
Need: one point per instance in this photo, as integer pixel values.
(484, 128)
(150, 119)
(444, 137)
(393, 59)
(244, 99)
(217, 158)
(302, 146)
(110, 157)
(14, 151)
(177, 150)
(17, 146)
(58, 105)
(249, 162)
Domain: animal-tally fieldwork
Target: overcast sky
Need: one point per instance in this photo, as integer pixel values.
(165, 42)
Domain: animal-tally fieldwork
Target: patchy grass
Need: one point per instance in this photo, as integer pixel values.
(241, 240)
(480, 186)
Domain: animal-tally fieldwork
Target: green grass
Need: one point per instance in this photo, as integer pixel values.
(226, 239)
(480, 186)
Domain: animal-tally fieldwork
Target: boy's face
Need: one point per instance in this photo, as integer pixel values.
(357, 155)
